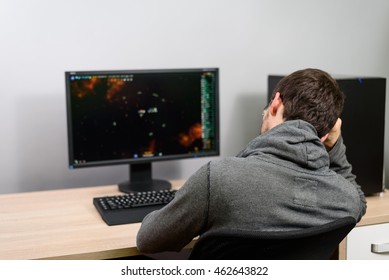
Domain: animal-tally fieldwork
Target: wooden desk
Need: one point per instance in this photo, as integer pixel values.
(377, 213)
(62, 224)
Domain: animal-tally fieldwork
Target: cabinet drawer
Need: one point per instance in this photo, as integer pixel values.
(360, 240)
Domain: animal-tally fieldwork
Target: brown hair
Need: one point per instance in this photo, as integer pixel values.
(311, 95)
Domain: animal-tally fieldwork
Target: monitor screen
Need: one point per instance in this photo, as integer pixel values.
(137, 117)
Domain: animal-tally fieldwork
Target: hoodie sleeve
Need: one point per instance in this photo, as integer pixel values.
(175, 225)
(339, 164)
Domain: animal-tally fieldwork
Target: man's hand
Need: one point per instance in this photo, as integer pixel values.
(333, 135)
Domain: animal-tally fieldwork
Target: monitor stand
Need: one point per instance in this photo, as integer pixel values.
(141, 180)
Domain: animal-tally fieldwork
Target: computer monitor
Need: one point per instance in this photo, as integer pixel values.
(137, 117)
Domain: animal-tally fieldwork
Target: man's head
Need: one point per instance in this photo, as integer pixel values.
(311, 95)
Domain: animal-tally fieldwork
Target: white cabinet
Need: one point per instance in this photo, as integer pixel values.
(360, 240)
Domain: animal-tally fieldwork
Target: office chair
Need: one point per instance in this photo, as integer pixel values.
(315, 243)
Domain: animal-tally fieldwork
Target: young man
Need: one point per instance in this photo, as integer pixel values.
(294, 175)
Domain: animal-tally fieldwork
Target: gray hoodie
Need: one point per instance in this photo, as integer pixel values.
(283, 180)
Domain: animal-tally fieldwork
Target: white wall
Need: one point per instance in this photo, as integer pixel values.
(246, 39)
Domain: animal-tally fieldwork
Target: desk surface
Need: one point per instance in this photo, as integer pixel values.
(64, 224)
(377, 210)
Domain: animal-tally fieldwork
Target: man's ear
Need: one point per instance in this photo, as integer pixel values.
(324, 138)
(275, 104)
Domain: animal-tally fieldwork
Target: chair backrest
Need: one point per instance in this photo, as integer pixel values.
(314, 243)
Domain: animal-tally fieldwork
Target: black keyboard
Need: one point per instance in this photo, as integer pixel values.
(131, 208)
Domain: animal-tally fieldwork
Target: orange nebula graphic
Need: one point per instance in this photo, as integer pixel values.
(195, 132)
(84, 87)
(115, 86)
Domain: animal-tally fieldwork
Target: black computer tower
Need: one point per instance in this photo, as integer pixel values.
(363, 128)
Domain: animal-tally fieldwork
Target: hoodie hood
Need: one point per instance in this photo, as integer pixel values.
(293, 141)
